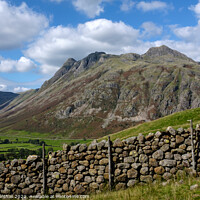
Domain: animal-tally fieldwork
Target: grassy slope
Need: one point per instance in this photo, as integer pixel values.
(177, 190)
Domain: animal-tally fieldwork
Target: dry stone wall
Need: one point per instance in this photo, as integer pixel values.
(82, 169)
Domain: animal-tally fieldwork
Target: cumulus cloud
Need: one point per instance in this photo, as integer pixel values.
(20, 89)
(22, 65)
(127, 5)
(151, 30)
(91, 8)
(59, 43)
(3, 87)
(153, 5)
(18, 25)
(196, 9)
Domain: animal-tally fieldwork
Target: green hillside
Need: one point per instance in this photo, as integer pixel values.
(175, 120)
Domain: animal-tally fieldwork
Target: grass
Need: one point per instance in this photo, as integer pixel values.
(174, 190)
(54, 141)
(175, 120)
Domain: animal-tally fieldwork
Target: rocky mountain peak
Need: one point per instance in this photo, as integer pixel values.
(165, 51)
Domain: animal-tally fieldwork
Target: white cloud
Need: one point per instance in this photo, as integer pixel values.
(3, 87)
(188, 33)
(127, 5)
(60, 43)
(151, 30)
(21, 65)
(196, 9)
(153, 5)
(91, 8)
(18, 25)
(20, 89)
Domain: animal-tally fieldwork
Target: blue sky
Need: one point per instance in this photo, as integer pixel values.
(38, 36)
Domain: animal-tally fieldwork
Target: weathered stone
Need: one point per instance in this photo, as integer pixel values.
(133, 153)
(158, 134)
(141, 138)
(28, 180)
(120, 186)
(159, 170)
(103, 161)
(89, 157)
(171, 130)
(144, 170)
(179, 139)
(60, 182)
(15, 179)
(158, 155)
(121, 178)
(101, 144)
(132, 173)
(98, 157)
(88, 179)
(131, 182)
(56, 175)
(149, 136)
(168, 155)
(118, 150)
(84, 162)
(153, 162)
(94, 185)
(129, 160)
(136, 165)
(106, 176)
(194, 187)
(78, 177)
(79, 189)
(65, 187)
(123, 165)
(182, 146)
(62, 170)
(27, 191)
(14, 163)
(117, 172)
(146, 179)
(92, 146)
(66, 147)
(165, 147)
(186, 156)
(143, 158)
(118, 143)
(92, 171)
(188, 141)
(130, 140)
(74, 164)
(167, 163)
(100, 179)
(167, 176)
(22, 185)
(31, 159)
(81, 168)
(180, 130)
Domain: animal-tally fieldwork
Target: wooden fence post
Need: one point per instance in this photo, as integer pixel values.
(192, 143)
(109, 163)
(44, 175)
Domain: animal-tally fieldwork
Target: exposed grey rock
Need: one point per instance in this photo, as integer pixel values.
(194, 187)
(15, 179)
(129, 159)
(165, 147)
(31, 159)
(171, 130)
(143, 158)
(144, 170)
(158, 155)
(27, 191)
(167, 163)
(82, 147)
(131, 182)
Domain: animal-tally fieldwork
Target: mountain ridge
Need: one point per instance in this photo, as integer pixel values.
(108, 92)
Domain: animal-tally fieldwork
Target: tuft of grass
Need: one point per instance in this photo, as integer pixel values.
(175, 120)
(177, 190)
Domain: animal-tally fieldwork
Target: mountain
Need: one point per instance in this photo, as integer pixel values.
(104, 93)
(6, 97)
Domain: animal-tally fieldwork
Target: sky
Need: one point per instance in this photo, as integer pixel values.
(38, 36)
